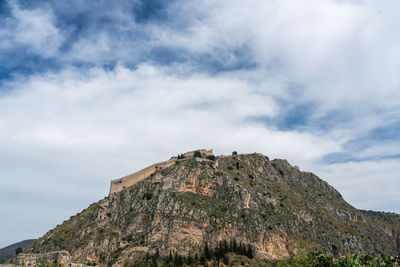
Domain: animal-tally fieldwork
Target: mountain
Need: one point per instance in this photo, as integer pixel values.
(198, 200)
(9, 251)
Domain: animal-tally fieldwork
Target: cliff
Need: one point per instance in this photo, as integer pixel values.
(269, 205)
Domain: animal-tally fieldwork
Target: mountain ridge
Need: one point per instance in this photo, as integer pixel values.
(9, 251)
(269, 205)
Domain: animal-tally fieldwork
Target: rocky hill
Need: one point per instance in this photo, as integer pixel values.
(267, 205)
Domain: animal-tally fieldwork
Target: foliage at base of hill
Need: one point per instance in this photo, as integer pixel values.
(316, 259)
(321, 259)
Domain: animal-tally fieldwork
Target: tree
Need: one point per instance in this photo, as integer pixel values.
(211, 157)
(197, 154)
(189, 260)
(225, 246)
(155, 257)
(207, 252)
(241, 249)
(234, 153)
(234, 247)
(225, 260)
(18, 250)
(202, 260)
(249, 253)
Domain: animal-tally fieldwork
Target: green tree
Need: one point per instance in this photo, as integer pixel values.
(197, 154)
(211, 157)
(18, 250)
(225, 260)
(189, 260)
(207, 252)
(249, 253)
(202, 260)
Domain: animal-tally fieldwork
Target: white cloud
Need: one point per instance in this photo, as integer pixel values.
(35, 29)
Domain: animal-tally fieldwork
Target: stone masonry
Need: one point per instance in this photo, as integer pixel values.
(118, 185)
(61, 257)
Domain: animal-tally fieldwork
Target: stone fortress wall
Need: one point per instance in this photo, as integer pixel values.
(118, 185)
(62, 258)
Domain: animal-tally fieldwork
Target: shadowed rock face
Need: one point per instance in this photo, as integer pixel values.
(274, 207)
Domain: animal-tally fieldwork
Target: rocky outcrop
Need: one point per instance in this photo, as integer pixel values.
(268, 204)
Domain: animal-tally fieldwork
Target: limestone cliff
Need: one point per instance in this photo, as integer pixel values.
(275, 208)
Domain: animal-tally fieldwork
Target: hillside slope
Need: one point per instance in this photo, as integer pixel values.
(268, 204)
(9, 251)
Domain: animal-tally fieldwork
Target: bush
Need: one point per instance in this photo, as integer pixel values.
(197, 154)
(147, 196)
(211, 157)
(226, 260)
(18, 250)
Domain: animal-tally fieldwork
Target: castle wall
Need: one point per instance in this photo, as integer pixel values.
(131, 179)
(61, 257)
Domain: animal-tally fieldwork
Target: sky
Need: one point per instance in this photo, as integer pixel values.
(94, 90)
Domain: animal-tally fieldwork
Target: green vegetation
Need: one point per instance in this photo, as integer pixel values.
(147, 196)
(224, 254)
(197, 154)
(44, 262)
(321, 259)
(18, 250)
(216, 207)
(211, 157)
(209, 256)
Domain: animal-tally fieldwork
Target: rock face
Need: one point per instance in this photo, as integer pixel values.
(270, 205)
(61, 258)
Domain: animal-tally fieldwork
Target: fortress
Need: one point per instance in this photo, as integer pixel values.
(118, 185)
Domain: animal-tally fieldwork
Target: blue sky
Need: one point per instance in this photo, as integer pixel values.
(90, 92)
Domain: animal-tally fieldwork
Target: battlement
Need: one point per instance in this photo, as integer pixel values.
(120, 184)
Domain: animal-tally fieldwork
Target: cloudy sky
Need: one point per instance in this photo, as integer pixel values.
(93, 90)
